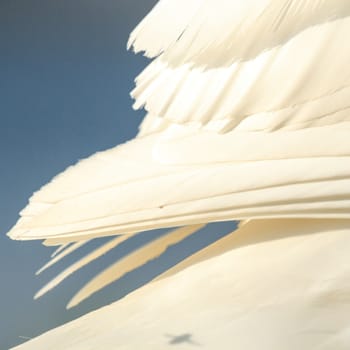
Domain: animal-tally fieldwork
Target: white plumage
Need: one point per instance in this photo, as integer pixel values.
(247, 119)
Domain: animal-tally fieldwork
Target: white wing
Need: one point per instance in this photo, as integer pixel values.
(248, 118)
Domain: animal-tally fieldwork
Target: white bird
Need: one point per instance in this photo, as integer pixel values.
(248, 118)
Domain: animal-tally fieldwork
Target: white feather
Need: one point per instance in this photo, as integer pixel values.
(294, 85)
(219, 32)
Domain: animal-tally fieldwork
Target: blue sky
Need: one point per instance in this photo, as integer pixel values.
(65, 82)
